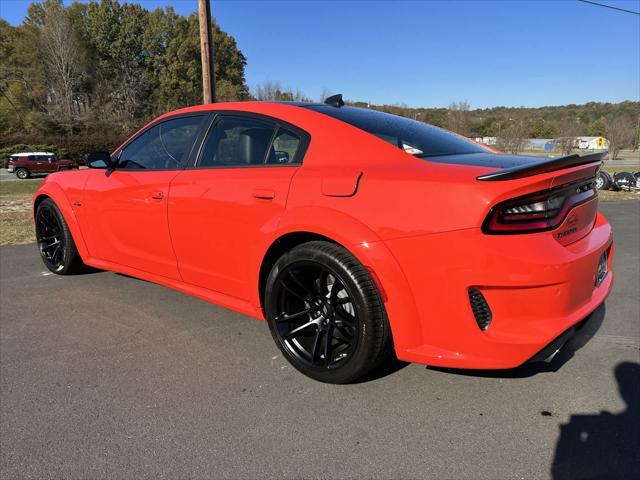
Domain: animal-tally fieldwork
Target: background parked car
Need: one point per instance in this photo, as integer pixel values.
(36, 163)
(624, 181)
(604, 181)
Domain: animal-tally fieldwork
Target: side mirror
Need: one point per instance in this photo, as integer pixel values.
(100, 160)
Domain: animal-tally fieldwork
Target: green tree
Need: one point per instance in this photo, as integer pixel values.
(542, 128)
(106, 64)
(597, 128)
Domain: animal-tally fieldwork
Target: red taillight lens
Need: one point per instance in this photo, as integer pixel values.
(538, 211)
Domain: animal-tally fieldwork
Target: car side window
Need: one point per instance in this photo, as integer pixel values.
(32, 158)
(285, 147)
(238, 141)
(164, 146)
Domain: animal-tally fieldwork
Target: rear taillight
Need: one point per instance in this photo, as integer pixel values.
(538, 211)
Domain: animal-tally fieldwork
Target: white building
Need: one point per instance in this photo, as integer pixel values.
(486, 140)
(593, 143)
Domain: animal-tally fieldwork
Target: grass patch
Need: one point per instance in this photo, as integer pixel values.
(19, 187)
(16, 227)
(611, 196)
(16, 222)
(630, 169)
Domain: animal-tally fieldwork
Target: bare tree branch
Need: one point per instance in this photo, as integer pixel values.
(620, 132)
(512, 134)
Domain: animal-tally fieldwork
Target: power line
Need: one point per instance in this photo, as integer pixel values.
(609, 6)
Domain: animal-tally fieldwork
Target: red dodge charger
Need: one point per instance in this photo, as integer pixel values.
(352, 232)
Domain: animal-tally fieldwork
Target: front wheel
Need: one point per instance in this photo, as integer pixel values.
(22, 173)
(325, 313)
(55, 243)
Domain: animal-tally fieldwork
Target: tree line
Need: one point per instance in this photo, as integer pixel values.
(512, 126)
(104, 66)
(81, 77)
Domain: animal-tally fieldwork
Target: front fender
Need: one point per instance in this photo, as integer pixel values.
(56, 193)
(372, 252)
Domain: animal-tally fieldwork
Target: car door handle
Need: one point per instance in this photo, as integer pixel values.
(264, 194)
(157, 195)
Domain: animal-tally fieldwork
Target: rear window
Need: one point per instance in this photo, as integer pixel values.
(413, 137)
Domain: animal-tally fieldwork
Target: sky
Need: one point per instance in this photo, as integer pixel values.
(431, 53)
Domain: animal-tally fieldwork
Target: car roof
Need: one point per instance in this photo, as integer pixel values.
(23, 154)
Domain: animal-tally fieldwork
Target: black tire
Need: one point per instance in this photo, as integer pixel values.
(319, 296)
(637, 175)
(23, 173)
(603, 181)
(55, 243)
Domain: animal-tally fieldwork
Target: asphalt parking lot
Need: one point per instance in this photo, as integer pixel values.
(106, 376)
(6, 176)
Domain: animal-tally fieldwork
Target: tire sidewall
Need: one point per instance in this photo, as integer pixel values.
(369, 316)
(69, 248)
(22, 174)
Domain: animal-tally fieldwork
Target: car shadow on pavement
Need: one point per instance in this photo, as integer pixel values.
(584, 332)
(604, 445)
(85, 270)
(389, 367)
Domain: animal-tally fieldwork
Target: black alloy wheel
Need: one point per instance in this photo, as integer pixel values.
(317, 320)
(325, 313)
(55, 243)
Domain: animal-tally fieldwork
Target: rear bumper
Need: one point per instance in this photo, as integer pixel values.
(536, 288)
(550, 350)
(10, 168)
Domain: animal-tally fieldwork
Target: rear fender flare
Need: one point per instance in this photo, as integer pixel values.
(372, 252)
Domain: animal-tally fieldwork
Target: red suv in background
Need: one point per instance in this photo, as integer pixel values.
(36, 163)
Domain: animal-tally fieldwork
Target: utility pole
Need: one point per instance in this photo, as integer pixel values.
(206, 52)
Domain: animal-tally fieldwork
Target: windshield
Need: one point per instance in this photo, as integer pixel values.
(413, 137)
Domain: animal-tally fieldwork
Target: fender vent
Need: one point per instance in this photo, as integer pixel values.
(480, 308)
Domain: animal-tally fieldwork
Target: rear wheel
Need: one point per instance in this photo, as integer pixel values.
(22, 173)
(55, 243)
(325, 313)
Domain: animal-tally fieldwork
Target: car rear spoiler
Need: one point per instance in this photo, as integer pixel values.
(545, 166)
